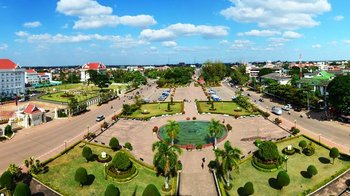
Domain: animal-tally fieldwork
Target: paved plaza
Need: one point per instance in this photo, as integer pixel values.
(193, 177)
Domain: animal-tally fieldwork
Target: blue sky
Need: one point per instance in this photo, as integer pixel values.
(70, 32)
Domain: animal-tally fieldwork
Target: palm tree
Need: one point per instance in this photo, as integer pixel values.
(165, 159)
(229, 159)
(172, 129)
(215, 129)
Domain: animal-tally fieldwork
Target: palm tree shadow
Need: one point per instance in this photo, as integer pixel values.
(274, 184)
(135, 190)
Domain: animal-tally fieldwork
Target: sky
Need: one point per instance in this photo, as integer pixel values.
(124, 32)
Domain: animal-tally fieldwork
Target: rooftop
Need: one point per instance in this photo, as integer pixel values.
(7, 64)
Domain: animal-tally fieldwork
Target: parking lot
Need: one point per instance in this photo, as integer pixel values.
(156, 94)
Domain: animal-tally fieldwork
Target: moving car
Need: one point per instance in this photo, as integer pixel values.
(276, 110)
(100, 118)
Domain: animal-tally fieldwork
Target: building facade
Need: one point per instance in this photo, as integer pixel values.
(11, 79)
(84, 71)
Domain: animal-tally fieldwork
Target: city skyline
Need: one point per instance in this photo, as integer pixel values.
(70, 32)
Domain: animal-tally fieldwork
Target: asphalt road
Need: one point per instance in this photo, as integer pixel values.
(335, 131)
(42, 139)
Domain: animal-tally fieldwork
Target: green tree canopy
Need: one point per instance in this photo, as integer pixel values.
(151, 190)
(114, 143)
(87, 153)
(339, 93)
(268, 151)
(214, 72)
(81, 175)
(6, 180)
(283, 179)
(112, 190)
(311, 170)
(121, 161)
(334, 153)
(22, 189)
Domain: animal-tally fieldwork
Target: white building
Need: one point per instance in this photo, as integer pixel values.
(30, 116)
(11, 78)
(32, 77)
(84, 74)
(280, 78)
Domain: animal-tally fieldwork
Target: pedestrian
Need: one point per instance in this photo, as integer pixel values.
(202, 165)
(203, 159)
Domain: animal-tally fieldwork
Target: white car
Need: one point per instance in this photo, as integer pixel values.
(287, 107)
(276, 110)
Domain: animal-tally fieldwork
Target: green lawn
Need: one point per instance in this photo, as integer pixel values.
(62, 170)
(58, 96)
(225, 107)
(297, 164)
(157, 109)
(79, 86)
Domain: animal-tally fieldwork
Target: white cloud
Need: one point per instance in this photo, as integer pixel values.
(241, 44)
(281, 14)
(292, 35)
(3, 46)
(347, 41)
(259, 33)
(224, 42)
(65, 26)
(91, 14)
(32, 24)
(338, 18)
(169, 44)
(153, 48)
(316, 46)
(82, 8)
(176, 30)
(116, 40)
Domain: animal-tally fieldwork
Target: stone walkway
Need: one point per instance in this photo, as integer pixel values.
(336, 187)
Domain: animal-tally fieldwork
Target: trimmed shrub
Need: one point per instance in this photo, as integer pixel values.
(155, 129)
(278, 121)
(151, 190)
(257, 142)
(309, 150)
(104, 125)
(268, 152)
(302, 144)
(121, 161)
(199, 146)
(194, 118)
(283, 179)
(128, 145)
(22, 189)
(6, 180)
(87, 153)
(81, 176)
(213, 164)
(8, 130)
(311, 170)
(249, 188)
(334, 153)
(228, 127)
(294, 130)
(114, 143)
(112, 190)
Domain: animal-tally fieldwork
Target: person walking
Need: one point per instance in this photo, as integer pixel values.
(202, 165)
(203, 159)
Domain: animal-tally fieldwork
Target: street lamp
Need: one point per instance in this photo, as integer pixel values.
(295, 123)
(104, 170)
(319, 138)
(88, 129)
(65, 144)
(307, 97)
(286, 160)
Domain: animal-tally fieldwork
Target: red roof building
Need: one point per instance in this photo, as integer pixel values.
(94, 66)
(7, 64)
(31, 109)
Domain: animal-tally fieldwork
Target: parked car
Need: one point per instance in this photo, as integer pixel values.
(276, 110)
(100, 118)
(287, 107)
(234, 97)
(145, 100)
(215, 98)
(297, 109)
(261, 100)
(162, 98)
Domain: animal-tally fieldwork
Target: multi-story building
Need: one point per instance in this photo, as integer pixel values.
(32, 77)
(11, 78)
(84, 71)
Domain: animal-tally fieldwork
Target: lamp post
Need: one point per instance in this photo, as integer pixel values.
(295, 123)
(319, 138)
(88, 130)
(65, 144)
(286, 160)
(307, 99)
(104, 170)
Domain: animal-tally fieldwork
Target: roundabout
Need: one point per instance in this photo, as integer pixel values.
(192, 133)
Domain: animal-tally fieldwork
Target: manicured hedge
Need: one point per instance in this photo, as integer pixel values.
(264, 167)
(123, 176)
